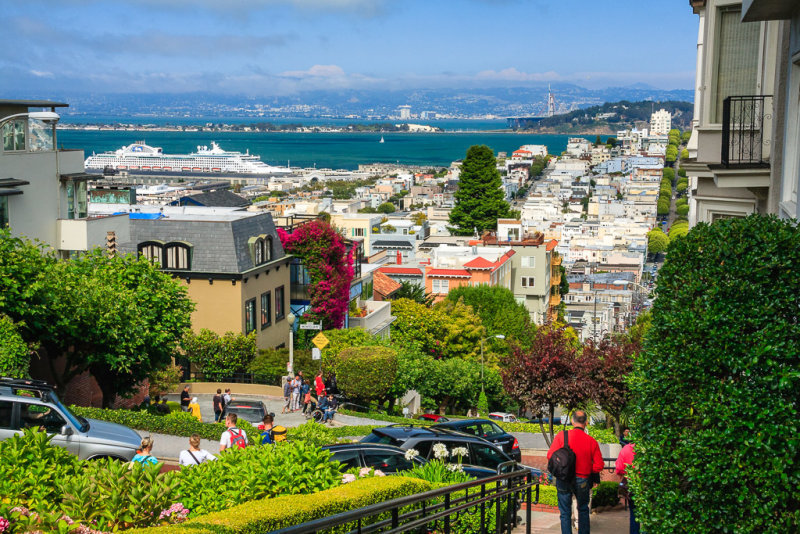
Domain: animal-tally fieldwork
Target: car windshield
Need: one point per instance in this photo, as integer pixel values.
(491, 430)
(246, 412)
(79, 422)
(379, 438)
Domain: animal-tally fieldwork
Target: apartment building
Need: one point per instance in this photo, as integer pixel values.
(660, 122)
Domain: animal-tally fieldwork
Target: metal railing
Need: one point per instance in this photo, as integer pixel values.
(440, 510)
(235, 378)
(745, 142)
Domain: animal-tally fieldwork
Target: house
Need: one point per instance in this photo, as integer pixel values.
(221, 198)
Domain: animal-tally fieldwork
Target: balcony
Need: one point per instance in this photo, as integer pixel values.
(746, 126)
(377, 317)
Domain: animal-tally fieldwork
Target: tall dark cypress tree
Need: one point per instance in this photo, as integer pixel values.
(480, 201)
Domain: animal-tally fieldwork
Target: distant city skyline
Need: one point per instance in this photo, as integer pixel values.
(282, 47)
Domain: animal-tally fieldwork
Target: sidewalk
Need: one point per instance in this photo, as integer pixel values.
(614, 522)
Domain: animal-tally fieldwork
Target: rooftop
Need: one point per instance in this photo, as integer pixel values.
(34, 103)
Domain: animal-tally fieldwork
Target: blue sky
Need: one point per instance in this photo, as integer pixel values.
(285, 46)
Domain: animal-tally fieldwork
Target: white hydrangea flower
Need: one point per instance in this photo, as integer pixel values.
(455, 467)
(348, 477)
(460, 452)
(379, 473)
(411, 454)
(440, 451)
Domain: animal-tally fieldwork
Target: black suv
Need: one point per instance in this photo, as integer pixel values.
(251, 411)
(485, 429)
(481, 452)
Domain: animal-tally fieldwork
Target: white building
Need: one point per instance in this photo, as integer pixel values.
(660, 122)
(405, 112)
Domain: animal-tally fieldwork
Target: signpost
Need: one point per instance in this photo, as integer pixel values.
(320, 341)
(316, 354)
(310, 326)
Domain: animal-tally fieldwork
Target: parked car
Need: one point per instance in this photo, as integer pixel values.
(34, 404)
(388, 459)
(503, 416)
(489, 431)
(251, 411)
(481, 452)
(433, 417)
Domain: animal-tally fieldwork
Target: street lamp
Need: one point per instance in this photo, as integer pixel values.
(291, 318)
(498, 336)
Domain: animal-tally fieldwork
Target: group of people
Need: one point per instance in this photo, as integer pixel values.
(298, 390)
(232, 438)
(588, 464)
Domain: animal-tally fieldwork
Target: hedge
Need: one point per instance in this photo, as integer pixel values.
(183, 424)
(267, 515)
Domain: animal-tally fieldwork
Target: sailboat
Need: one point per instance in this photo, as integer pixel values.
(381, 141)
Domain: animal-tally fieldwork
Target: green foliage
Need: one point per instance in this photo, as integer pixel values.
(437, 472)
(719, 366)
(499, 311)
(483, 405)
(415, 292)
(685, 136)
(271, 363)
(605, 494)
(386, 207)
(678, 230)
(684, 154)
(268, 515)
(479, 200)
(367, 373)
(657, 241)
(344, 338)
(213, 354)
(682, 186)
(669, 174)
(683, 201)
(672, 153)
(662, 208)
(682, 209)
(681, 172)
(118, 319)
(164, 380)
(15, 354)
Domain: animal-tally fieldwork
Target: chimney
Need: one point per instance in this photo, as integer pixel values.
(399, 258)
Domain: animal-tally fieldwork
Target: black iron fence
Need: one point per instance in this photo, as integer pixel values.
(485, 505)
(235, 378)
(745, 142)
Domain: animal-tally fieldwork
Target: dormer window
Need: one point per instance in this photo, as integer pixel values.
(178, 256)
(153, 251)
(261, 249)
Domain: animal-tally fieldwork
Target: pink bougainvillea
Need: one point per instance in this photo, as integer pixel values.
(330, 267)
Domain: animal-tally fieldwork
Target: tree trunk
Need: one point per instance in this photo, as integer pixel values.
(105, 380)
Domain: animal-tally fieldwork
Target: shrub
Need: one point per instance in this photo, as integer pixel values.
(222, 355)
(15, 354)
(605, 494)
(267, 515)
(683, 209)
(719, 365)
(165, 379)
(483, 404)
(366, 373)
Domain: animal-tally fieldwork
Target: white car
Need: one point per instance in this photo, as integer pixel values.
(504, 417)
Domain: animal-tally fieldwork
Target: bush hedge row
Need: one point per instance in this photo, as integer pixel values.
(267, 515)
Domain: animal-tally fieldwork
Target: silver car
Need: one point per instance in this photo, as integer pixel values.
(34, 404)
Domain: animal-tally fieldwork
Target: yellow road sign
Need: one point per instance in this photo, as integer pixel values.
(320, 341)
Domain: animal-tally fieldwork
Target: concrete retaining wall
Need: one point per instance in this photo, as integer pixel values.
(197, 388)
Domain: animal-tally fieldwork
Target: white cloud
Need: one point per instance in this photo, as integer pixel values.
(41, 73)
(317, 71)
(513, 74)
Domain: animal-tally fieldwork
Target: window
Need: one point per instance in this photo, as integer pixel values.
(487, 456)
(14, 135)
(266, 309)
(440, 286)
(5, 413)
(267, 249)
(39, 416)
(77, 205)
(358, 232)
(387, 461)
(151, 251)
(527, 281)
(737, 58)
(4, 216)
(249, 316)
(280, 312)
(177, 257)
(259, 251)
(349, 459)
(528, 262)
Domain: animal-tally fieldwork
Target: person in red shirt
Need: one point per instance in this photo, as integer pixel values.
(625, 460)
(588, 461)
(319, 384)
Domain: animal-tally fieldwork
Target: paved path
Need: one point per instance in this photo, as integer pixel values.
(613, 522)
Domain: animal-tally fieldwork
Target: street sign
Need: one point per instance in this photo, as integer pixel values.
(310, 326)
(316, 354)
(320, 341)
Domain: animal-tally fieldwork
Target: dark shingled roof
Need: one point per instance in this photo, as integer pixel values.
(387, 243)
(214, 199)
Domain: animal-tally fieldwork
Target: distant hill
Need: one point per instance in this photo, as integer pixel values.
(610, 117)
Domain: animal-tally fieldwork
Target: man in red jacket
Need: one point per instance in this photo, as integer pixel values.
(588, 460)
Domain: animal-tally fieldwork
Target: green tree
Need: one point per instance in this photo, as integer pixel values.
(681, 172)
(678, 229)
(681, 187)
(684, 154)
(672, 153)
(499, 311)
(367, 373)
(15, 354)
(721, 357)
(682, 210)
(386, 207)
(220, 356)
(419, 218)
(119, 319)
(662, 208)
(479, 200)
(415, 292)
(657, 241)
(685, 136)
(669, 174)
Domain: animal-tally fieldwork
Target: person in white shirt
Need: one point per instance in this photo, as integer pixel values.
(233, 437)
(194, 455)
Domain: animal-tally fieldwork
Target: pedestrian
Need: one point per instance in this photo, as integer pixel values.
(162, 408)
(296, 385)
(194, 455)
(219, 404)
(266, 429)
(329, 410)
(626, 437)
(144, 454)
(588, 461)
(227, 396)
(194, 409)
(319, 384)
(305, 395)
(185, 399)
(233, 437)
(287, 395)
(624, 461)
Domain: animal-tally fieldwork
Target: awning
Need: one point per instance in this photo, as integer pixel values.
(80, 177)
(12, 182)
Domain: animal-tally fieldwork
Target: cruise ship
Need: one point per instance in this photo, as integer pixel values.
(141, 157)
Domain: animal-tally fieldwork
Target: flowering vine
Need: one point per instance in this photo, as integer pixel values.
(330, 268)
